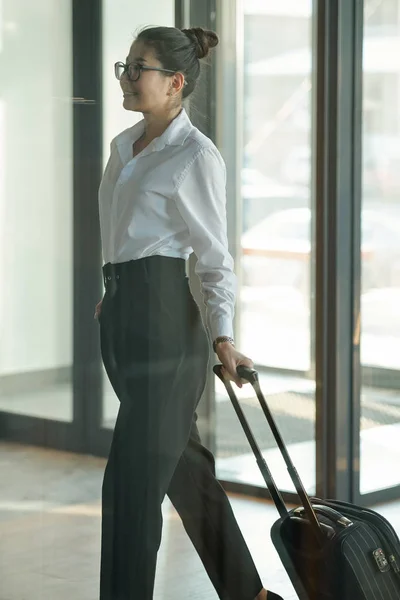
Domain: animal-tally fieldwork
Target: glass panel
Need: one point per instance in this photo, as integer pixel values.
(274, 299)
(36, 209)
(380, 248)
(120, 22)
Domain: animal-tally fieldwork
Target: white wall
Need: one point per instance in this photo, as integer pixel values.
(122, 20)
(35, 185)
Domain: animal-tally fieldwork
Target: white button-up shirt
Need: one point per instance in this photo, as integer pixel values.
(170, 200)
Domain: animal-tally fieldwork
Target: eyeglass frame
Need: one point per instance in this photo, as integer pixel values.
(140, 67)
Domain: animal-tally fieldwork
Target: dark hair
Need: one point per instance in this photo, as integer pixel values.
(180, 50)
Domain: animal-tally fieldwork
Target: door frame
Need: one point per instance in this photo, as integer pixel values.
(77, 435)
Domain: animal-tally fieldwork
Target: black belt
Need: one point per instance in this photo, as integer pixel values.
(142, 268)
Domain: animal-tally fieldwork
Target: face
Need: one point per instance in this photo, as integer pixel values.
(155, 91)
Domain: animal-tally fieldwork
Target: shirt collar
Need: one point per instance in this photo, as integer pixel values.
(176, 132)
(175, 135)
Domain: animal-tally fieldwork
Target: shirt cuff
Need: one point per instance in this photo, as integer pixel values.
(220, 326)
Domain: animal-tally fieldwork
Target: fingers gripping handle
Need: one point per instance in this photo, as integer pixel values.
(250, 375)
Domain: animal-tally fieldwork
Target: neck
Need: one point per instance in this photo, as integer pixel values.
(156, 124)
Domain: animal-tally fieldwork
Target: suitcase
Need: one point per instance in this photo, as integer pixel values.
(331, 550)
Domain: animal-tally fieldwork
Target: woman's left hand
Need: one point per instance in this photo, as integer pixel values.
(232, 358)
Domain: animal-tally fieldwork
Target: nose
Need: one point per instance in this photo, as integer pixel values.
(124, 78)
(125, 84)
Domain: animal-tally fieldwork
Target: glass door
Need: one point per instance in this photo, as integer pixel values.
(36, 213)
(274, 225)
(380, 250)
(49, 175)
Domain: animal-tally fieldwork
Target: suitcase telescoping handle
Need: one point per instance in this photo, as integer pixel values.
(266, 473)
(251, 375)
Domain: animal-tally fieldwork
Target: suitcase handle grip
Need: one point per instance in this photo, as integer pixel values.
(251, 375)
(247, 373)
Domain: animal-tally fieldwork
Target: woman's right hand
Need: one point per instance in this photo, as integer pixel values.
(97, 310)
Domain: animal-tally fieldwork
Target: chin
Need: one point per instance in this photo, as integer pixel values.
(130, 103)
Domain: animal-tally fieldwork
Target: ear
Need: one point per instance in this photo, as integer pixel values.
(178, 82)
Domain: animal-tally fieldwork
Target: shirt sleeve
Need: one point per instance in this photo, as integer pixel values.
(201, 202)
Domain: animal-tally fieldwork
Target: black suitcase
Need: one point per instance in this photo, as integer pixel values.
(331, 550)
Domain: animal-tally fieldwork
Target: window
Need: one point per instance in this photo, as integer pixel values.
(274, 242)
(380, 248)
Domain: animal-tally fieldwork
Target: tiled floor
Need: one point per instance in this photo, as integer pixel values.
(50, 533)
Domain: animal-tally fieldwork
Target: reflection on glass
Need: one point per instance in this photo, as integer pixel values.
(276, 183)
(274, 299)
(36, 210)
(380, 248)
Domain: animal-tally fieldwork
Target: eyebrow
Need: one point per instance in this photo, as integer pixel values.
(137, 60)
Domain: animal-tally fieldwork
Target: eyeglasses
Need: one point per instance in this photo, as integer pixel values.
(134, 70)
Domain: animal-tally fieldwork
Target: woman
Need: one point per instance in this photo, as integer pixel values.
(162, 197)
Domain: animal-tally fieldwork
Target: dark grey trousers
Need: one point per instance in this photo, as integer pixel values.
(155, 351)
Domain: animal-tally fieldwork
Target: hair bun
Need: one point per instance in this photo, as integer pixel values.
(203, 39)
